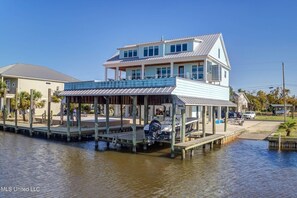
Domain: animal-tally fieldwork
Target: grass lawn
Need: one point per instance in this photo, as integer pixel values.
(284, 133)
(278, 118)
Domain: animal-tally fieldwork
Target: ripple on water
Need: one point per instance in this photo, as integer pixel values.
(240, 169)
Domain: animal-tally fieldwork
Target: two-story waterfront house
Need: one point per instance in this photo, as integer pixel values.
(189, 74)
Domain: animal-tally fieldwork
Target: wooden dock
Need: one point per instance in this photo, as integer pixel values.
(124, 138)
(60, 132)
(192, 144)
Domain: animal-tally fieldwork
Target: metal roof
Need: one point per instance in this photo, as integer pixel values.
(191, 101)
(203, 49)
(119, 92)
(34, 72)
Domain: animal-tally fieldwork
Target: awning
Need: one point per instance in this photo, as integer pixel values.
(191, 101)
(119, 92)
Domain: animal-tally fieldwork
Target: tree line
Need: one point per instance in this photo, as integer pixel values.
(261, 100)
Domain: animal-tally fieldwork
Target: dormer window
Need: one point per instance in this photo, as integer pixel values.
(179, 47)
(151, 51)
(185, 47)
(172, 48)
(130, 53)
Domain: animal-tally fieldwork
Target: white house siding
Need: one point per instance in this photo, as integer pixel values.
(224, 80)
(201, 90)
(42, 86)
(214, 52)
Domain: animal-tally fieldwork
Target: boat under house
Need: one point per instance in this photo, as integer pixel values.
(187, 77)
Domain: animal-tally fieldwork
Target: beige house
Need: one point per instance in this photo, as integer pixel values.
(241, 101)
(23, 77)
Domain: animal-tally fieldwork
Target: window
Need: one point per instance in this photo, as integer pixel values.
(134, 52)
(145, 51)
(151, 51)
(185, 47)
(135, 74)
(197, 72)
(156, 50)
(225, 74)
(172, 48)
(178, 47)
(163, 72)
(125, 54)
(130, 53)
(200, 72)
(219, 53)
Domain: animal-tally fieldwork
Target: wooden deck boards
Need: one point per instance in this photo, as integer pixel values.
(198, 142)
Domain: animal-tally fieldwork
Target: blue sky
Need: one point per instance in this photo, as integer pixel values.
(76, 37)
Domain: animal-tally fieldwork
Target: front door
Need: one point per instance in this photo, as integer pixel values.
(181, 71)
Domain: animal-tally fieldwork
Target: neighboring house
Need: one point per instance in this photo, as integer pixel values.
(241, 101)
(23, 77)
(193, 69)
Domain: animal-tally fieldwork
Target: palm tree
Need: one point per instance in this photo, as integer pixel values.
(24, 102)
(288, 126)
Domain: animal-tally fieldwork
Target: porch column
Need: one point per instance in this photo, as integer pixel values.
(79, 119)
(106, 72)
(127, 111)
(134, 124)
(171, 69)
(183, 125)
(219, 112)
(107, 114)
(31, 112)
(213, 120)
(116, 73)
(145, 110)
(68, 118)
(173, 132)
(49, 95)
(142, 71)
(209, 113)
(226, 119)
(96, 121)
(203, 120)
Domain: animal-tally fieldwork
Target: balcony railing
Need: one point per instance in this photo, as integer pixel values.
(159, 82)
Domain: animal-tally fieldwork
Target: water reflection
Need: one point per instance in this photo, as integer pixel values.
(240, 169)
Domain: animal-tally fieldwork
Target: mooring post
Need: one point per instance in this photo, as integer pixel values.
(49, 113)
(68, 118)
(173, 131)
(183, 125)
(213, 120)
(134, 123)
(203, 121)
(31, 112)
(79, 119)
(16, 112)
(96, 121)
(121, 110)
(197, 117)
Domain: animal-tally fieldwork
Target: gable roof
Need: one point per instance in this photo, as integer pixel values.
(34, 72)
(237, 95)
(206, 44)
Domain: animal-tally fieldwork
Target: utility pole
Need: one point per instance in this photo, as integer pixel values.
(284, 92)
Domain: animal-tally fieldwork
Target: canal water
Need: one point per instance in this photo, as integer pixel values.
(32, 167)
